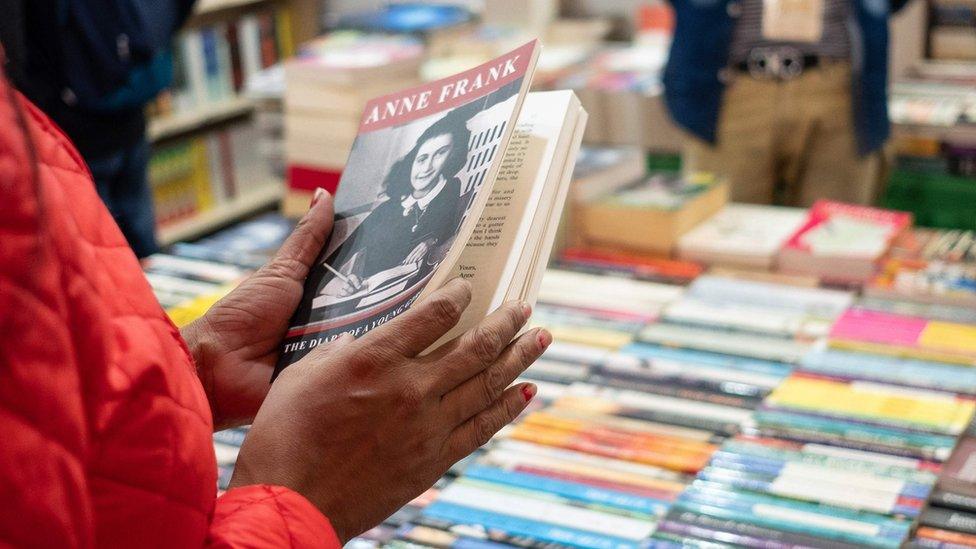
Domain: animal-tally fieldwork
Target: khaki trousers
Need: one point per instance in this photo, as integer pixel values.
(789, 142)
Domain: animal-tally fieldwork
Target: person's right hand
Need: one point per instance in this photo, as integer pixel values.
(360, 427)
(354, 285)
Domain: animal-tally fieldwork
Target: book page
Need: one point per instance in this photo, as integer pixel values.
(491, 256)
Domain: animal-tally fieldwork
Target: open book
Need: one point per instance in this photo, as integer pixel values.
(465, 176)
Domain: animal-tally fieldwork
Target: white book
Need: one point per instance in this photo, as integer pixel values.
(741, 235)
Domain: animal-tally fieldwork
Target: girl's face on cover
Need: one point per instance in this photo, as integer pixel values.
(431, 154)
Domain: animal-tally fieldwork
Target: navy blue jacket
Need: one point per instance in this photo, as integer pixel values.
(695, 77)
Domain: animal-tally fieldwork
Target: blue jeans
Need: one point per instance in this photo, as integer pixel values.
(122, 181)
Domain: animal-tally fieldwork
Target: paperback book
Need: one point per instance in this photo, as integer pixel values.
(453, 178)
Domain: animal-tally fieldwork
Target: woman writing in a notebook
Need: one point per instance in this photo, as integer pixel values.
(408, 235)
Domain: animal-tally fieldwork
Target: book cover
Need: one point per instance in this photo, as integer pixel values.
(838, 229)
(416, 173)
(842, 242)
(741, 235)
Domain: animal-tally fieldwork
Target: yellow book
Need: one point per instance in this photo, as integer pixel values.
(200, 178)
(593, 337)
(187, 312)
(872, 401)
(949, 336)
(283, 30)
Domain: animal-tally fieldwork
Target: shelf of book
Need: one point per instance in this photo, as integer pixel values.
(177, 124)
(959, 133)
(206, 8)
(263, 196)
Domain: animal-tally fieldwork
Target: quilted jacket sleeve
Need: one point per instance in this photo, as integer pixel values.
(43, 441)
(268, 516)
(53, 457)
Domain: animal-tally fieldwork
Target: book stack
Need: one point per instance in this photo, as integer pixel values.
(930, 266)
(211, 64)
(950, 519)
(193, 276)
(754, 319)
(327, 85)
(951, 37)
(845, 453)
(648, 216)
(927, 282)
(601, 171)
(902, 335)
(621, 87)
(598, 310)
(177, 280)
(842, 243)
(247, 244)
(932, 101)
(649, 268)
(765, 492)
(932, 311)
(598, 171)
(741, 236)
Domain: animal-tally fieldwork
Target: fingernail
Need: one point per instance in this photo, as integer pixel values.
(319, 193)
(526, 308)
(528, 391)
(544, 338)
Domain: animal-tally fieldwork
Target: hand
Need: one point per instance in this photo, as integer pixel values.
(353, 285)
(417, 254)
(236, 344)
(363, 426)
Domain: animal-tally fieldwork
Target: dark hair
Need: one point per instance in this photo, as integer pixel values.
(397, 182)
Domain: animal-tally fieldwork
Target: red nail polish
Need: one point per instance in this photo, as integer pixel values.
(528, 391)
(544, 338)
(319, 192)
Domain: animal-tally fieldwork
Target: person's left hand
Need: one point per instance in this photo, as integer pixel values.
(417, 254)
(236, 343)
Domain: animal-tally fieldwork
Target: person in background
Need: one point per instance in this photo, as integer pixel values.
(107, 411)
(786, 99)
(93, 66)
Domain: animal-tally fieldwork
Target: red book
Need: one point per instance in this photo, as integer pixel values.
(842, 243)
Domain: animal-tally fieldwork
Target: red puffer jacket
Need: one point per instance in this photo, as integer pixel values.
(105, 431)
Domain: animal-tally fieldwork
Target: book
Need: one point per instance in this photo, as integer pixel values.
(648, 268)
(601, 170)
(327, 86)
(933, 282)
(903, 335)
(842, 243)
(450, 179)
(741, 235)
(650, 215)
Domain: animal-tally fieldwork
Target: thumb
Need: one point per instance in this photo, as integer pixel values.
(307, 240)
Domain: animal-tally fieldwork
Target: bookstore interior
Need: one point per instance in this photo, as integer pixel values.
(762, 298)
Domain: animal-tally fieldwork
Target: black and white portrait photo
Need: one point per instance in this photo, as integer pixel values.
(398, 216)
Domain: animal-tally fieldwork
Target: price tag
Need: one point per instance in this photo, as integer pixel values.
(793, 20)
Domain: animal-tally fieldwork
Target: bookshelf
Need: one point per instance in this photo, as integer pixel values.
(170, 126)
(262, 196)
(182, 124)
(207, 12)
(209, 7)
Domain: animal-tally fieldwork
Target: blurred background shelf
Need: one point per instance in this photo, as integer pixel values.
(174, 125)
(262, 196)
(208, 11)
